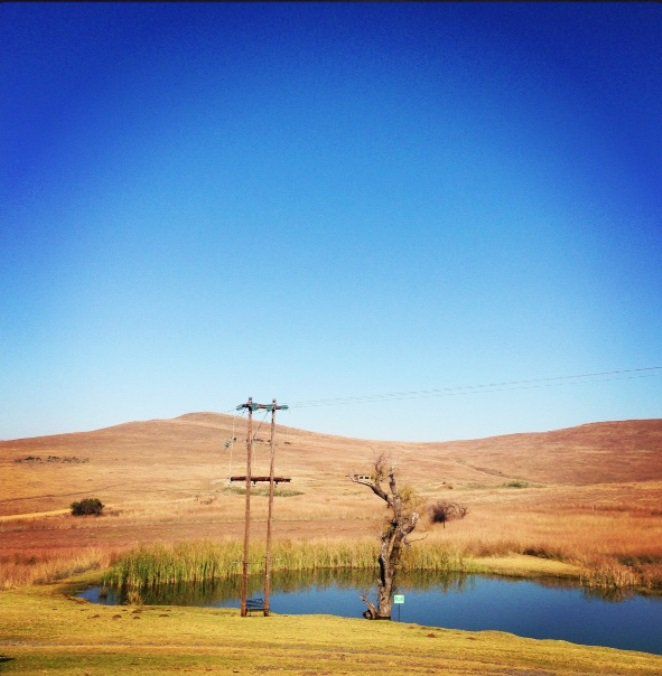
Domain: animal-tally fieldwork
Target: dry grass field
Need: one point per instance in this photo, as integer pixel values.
(590, 495)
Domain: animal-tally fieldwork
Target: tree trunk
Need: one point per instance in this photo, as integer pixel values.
(387, 570)
(389, 560)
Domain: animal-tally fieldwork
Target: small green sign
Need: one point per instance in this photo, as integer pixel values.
(398, 599)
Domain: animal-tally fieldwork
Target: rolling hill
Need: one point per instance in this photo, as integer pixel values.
(596, 487)
(185, 455)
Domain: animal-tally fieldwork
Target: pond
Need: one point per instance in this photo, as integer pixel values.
(544, 608)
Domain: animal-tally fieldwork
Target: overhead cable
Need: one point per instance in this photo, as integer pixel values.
(508, 385)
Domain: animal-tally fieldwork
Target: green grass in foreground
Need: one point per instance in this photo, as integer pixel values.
(43, 630)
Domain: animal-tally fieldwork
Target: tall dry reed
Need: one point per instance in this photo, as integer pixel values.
(197, 562)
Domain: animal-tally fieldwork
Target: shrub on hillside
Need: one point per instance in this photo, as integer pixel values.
(87, 507)
(516, 484)
(443, 511)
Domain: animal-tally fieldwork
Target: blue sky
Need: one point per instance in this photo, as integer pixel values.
(204, 202)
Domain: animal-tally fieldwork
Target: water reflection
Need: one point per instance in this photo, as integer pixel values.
(544, 608)
(225, 591)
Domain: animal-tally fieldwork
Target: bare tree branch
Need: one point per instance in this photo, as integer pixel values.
(409, 542)
(373, 485)
(401, 522)
(393, 484)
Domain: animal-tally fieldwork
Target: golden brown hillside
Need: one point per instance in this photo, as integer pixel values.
(186, 456)
(585, 492)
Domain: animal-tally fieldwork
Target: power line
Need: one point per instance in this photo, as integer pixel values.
(508, 385)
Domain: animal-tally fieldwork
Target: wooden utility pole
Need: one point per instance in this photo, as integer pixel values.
(247, 514)
(267, 564)
(250, 480)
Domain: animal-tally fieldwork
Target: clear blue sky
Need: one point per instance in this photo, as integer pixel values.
(204, 202)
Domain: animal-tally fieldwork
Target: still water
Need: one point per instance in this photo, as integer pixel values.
(544, 608)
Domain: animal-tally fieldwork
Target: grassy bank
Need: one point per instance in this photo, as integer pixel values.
(203, 561)
(206, 561)
(198, 562)
(43, 630)
(40, 566)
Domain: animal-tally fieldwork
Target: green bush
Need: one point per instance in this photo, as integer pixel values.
(87, 507)
(517, 484)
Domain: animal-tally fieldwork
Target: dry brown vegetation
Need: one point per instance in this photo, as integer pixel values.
(590, 495)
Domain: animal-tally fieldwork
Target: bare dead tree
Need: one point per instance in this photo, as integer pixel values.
(400, 523)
